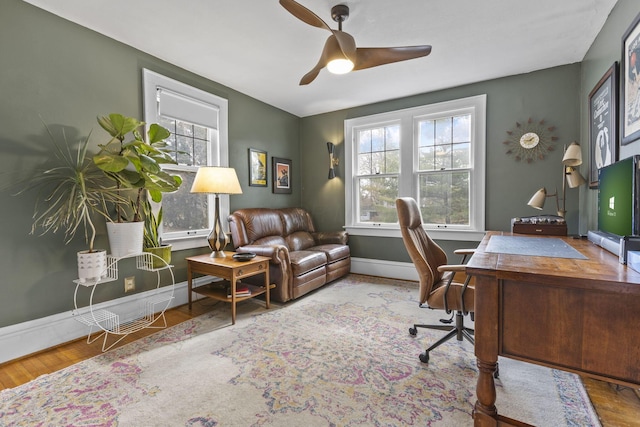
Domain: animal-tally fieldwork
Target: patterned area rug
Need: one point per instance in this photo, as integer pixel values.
(341, 356)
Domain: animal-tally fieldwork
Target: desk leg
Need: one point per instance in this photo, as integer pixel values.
(189, 281)
(486, 348)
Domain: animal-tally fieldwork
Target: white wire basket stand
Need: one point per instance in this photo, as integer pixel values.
(104, 323)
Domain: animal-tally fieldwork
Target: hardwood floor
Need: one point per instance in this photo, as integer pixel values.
(28, 368)
(616, 406)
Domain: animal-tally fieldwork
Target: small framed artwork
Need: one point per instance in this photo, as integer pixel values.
(603, 123)
(257, 168)
(281, 175)
(630, 78)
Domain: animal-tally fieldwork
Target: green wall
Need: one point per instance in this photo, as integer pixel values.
(552, 95)
(59, 73)
(65, 75)
(605, 50)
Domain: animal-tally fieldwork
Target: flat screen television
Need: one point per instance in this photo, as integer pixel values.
(618, 192)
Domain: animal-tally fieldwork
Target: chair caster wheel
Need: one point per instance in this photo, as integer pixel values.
(424, 357)
(413, 331)
(496, 373)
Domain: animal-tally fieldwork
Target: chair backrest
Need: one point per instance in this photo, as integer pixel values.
(424, 252)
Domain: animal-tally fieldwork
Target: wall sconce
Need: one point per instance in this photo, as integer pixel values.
(333, 161)
(570, 176)
(216, 180)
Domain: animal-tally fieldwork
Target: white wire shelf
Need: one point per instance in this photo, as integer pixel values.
(107, 323)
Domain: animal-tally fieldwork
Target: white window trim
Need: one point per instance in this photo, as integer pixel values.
(408, 185)
(151, 83)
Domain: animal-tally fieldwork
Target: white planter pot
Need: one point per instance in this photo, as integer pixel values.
(125, 238)
(92, 266)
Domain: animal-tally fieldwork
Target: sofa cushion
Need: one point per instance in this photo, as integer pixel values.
(333, 252)
(271, 241)
(299, 240)
(296, 219)
(305, 261)
(254, 224)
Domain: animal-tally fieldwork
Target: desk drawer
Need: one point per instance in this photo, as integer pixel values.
(542, 229)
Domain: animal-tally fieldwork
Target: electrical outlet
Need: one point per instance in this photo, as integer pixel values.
(129, 284)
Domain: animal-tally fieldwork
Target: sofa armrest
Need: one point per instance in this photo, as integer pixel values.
(279, 254)
(331, 237)
(279, 267)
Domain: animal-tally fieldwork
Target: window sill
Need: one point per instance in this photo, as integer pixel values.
(187, 243)
(436, 234)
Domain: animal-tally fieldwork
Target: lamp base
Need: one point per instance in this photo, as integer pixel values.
(218, 239)
(218, 254)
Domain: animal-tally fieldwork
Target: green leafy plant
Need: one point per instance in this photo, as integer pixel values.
(74, 190)
(133, 163)
(151, 226)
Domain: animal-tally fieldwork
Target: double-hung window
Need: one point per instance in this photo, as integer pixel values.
(433, 153)
(197, 121)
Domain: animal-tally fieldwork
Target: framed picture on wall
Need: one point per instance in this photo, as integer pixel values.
(257, 168)
(603, 123)
(281, 175)
(630, 78)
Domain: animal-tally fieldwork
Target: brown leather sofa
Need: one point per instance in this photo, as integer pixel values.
(301, 258)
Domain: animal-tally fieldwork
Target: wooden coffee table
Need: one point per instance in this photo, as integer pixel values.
(231, 271)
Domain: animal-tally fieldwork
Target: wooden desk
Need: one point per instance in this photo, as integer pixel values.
(577, 315)
(231, 270)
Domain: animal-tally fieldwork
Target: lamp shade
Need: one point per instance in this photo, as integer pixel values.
(537, 201)
(572, 155)
(574, 178)
(216, 180)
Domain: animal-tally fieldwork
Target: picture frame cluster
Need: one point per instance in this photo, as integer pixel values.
(614, 106)
(281, 178)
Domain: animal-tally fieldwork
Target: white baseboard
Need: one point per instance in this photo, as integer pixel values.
(391, 269)
(29, 337)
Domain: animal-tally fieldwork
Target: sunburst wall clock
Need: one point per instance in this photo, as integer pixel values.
(530, 141)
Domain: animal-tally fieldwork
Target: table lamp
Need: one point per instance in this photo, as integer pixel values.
(216, 180)
(570, 176)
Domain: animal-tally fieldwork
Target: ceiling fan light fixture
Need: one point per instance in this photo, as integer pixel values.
(340, 54)
(340, 66)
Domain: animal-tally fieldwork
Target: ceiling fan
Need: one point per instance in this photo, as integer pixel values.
(340, 54)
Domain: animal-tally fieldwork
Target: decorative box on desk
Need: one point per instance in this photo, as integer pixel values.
(545, 225)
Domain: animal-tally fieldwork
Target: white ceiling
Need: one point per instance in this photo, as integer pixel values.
(258, 48)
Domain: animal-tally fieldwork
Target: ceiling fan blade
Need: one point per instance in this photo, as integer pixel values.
(339, 45)
(368, 57)
(311, 75)
(347, 44)
(304, 14)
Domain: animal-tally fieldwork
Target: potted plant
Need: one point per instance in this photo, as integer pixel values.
(134, 163)
(74, 191)
(152, 240)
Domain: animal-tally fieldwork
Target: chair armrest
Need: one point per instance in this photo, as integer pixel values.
(331, 237)
(455, 268)
(464, 251)
(279, 254)
(452, 267)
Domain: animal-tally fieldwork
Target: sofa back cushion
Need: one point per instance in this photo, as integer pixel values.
(299, 241)
(298, 228)
(256, 226)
